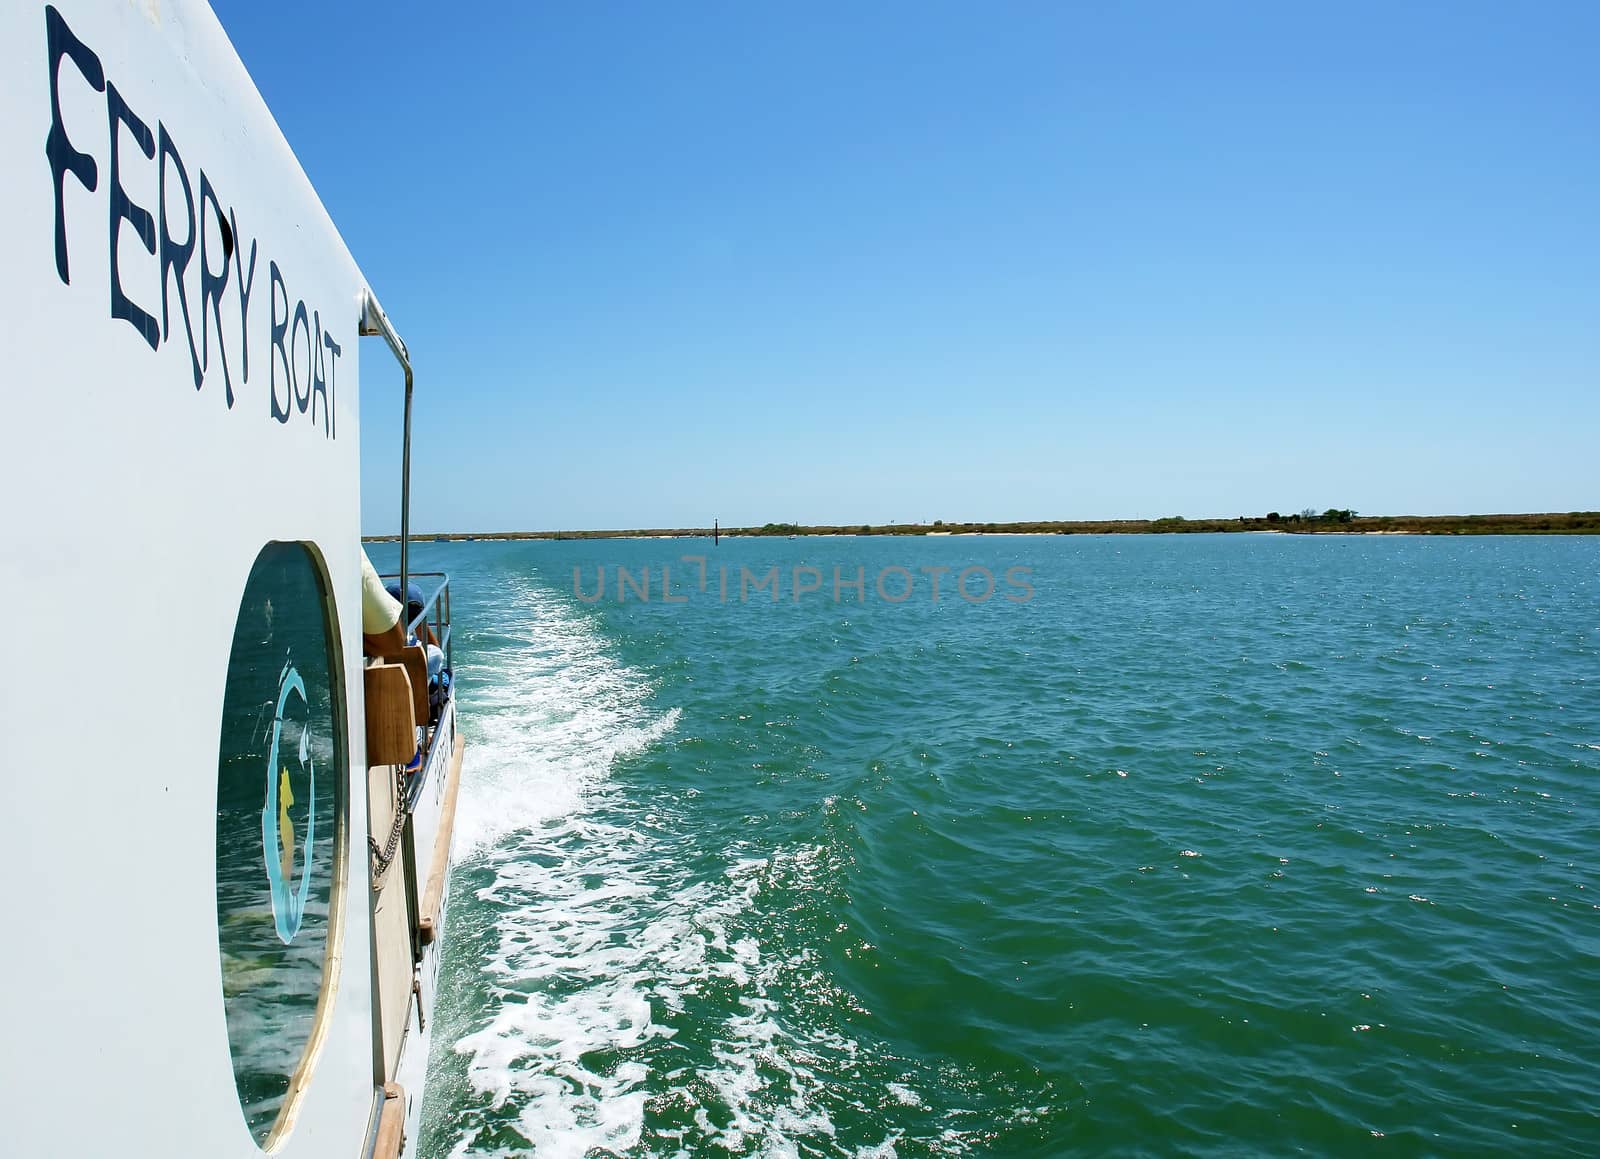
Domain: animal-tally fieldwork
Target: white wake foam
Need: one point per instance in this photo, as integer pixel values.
(601, 942)
(547, 719)
(604, 935)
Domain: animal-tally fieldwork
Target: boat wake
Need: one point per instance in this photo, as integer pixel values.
(612, 988)
(550, 711)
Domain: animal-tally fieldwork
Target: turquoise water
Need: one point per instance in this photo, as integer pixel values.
(1238, 845)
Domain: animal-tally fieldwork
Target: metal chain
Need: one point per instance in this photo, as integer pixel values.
(382, 858)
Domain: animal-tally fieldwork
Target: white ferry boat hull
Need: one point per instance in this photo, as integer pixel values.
(182, 385)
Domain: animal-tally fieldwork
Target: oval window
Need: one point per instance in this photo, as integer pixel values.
(281, 817)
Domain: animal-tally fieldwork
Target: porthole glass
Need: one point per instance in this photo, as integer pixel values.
(281, 772)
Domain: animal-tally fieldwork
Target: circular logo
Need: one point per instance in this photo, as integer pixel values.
(281, 832)
(284, 813)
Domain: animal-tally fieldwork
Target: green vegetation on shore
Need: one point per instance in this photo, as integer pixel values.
(1332, 521)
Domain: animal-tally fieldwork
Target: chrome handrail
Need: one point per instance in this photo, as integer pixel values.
(375, 322)
(438, 602)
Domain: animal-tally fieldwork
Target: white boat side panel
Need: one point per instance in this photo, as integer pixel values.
(140, 499)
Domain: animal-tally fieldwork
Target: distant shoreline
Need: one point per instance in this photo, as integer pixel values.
(1330, 523)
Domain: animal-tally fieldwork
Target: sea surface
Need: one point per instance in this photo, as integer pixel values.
(1203, 845)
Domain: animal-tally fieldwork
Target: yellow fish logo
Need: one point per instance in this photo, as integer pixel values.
(285, 825)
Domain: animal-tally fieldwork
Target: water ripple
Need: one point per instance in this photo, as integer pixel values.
(1227, 846)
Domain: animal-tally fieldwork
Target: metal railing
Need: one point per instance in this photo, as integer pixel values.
(431, 625)
(375, 323)
(435, 613)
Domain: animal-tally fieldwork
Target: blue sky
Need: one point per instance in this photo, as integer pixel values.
(869, 262)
